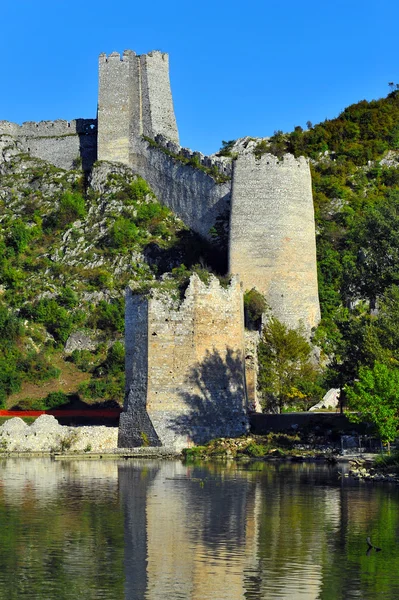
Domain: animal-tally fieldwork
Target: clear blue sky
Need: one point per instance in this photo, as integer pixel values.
(237, 67)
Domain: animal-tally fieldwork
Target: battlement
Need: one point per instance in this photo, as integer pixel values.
(50, 128)
(8, 128)
(116, 56)
(223, 166)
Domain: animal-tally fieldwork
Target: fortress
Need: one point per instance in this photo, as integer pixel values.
(271, 247)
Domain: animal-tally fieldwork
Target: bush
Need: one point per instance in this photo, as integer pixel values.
(255, 450)
(37, 368)
(109, 316)
(106, 388)
(115, 361)
(19, 236)
(139, 189)
(83, 359)
(10, 326)
(71, 208)
(55, 399)
(123, 234)
(57, 319)
(67, 297)
(255, 306)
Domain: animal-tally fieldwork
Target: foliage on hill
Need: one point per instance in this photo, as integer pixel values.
(68, 249)
(355, 169)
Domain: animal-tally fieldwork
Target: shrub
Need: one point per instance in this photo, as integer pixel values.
(83, 359)
(109, 316)
(255, 450)
(19, 236)
(57, 320)
(37, 368)
(10, 326)
(71, 208)
(139, 189)
(123, 233)
(255, 305)
(106, 388)
(115, 361)
(67, 297)
(55, 399)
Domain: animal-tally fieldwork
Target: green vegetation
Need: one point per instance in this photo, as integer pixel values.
(255, 306)
(272, 445)
(287, 375)
(354, 162)
(375, 398)
(68, 250)
(67, 253)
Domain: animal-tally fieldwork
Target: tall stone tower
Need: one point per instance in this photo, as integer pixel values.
(134, 99)
(272, 243)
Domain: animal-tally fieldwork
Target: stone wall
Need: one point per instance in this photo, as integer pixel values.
(272, 235)
(190, 193)
(185, 365)
(60, 142)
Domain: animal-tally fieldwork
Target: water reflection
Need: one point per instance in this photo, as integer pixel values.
(146, 530)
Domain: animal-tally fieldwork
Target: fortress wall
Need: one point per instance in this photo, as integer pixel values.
(118, 98)
(158, 111)
(8, 128)
(33, 129)
(225, 167)
(195, 388)
(272, 237)
(190, 193)
(58, 142)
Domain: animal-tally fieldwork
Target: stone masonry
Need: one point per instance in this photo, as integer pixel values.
(62, 143)
(185, 371)
(134, 99)
(272, 235)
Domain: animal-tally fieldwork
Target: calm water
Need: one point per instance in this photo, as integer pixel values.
(160, 530)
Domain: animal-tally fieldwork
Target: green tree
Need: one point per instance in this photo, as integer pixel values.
(287, 375)
(376, 236)
(375, 398)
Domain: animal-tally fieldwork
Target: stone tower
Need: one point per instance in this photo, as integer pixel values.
(134, 99)
(272, 243)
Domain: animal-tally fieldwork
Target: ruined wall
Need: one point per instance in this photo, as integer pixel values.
(186, 361)
(59, 142)
(272, 235)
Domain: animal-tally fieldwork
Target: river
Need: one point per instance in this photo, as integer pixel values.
(138, 529)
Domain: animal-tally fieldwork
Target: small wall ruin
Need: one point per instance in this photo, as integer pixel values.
(185, 371)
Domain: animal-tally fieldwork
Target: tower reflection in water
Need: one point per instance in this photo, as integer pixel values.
(150, 530)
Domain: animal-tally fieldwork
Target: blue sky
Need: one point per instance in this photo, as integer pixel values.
(237, 68)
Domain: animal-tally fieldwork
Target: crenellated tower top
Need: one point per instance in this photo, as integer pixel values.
(134, 100)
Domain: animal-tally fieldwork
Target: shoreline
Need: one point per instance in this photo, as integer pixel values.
(170, 453)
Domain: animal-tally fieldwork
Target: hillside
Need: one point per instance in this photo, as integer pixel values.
(354, 162)
(69, 247)
(72, 241)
